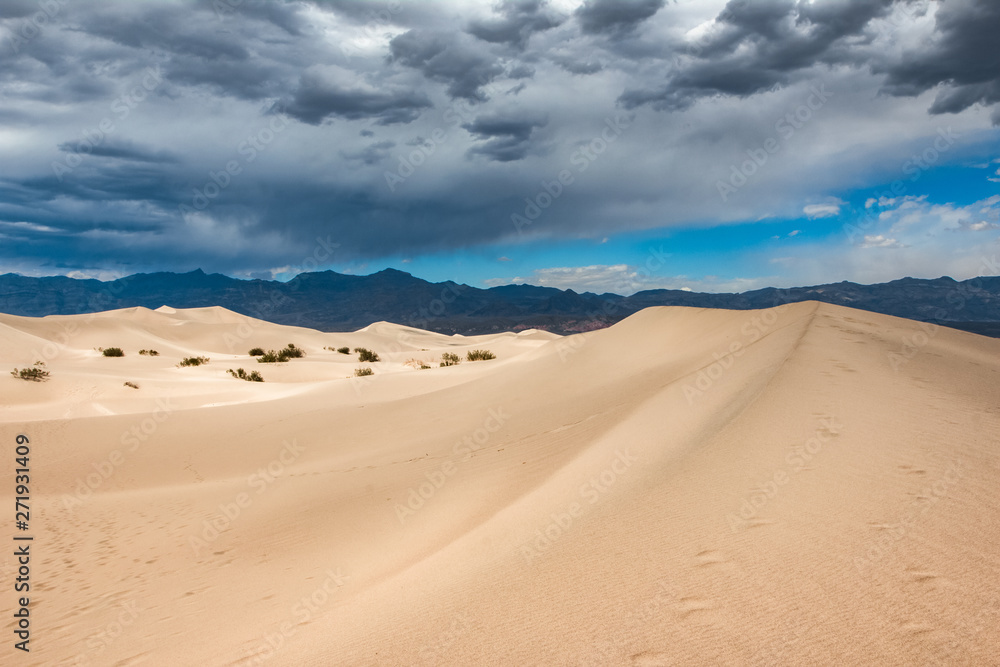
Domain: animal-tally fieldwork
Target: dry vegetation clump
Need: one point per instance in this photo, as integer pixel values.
(34, 374)
(252, 376)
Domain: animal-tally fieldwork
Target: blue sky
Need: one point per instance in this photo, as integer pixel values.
(596, 145)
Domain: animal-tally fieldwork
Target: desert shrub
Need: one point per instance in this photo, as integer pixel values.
(34, 374)
(150, 353)
(252, 376)
(362, 372)
(344, 350)
(256, 352)
(364, 354)
(133, 385)
(449, 359)
(292, 352)
(270, 357)
(112, 352)
(480, 355)
(194, 361)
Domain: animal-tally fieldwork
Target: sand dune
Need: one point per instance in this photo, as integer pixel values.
(803, 485)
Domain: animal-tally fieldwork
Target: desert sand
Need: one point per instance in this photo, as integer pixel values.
(803, 485)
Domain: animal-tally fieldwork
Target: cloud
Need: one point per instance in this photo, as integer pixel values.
(505, 138)
(371, 154)
(753, 47)
(120, 149)
(516, 22)
(615, 16)
(326, 92)
(879, 241)
(816, 211)
(446, 56)
(624, 279)
(960, 57)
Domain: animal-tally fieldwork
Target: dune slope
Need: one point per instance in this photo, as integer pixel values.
(803, 485)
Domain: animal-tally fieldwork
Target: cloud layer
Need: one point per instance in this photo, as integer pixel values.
(232, 134)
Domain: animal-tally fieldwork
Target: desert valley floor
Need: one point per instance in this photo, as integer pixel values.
(803, 485)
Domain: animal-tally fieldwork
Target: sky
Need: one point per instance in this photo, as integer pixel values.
(604, 145)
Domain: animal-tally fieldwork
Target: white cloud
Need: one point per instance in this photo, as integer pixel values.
(626, 279)
(879, 241)
(828, 210)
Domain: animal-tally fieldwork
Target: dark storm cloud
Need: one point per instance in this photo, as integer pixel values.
(121, 150)
(615, 16)
(504, 138)
(762, 44)
(474, 91)
(445, 56)
(319, 97)
(16, 9)
(963, 57)
(371, 154)
(518, 20)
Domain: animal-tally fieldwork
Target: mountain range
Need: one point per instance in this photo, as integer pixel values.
(330, 301)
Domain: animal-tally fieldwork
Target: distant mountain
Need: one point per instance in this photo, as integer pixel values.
(331, 301)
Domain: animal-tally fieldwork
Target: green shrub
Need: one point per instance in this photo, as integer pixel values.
(133, 385)
(292, 352)
(35, 374)
(252, 376)
(256, 352)
(362, 372)
(364, 354)
(270, 357)
(344, 350)
(480, 355)
(449, 359)
(194, 361)
(151, 353)
(113, 352)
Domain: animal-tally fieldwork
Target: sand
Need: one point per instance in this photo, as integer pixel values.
(804, 485)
